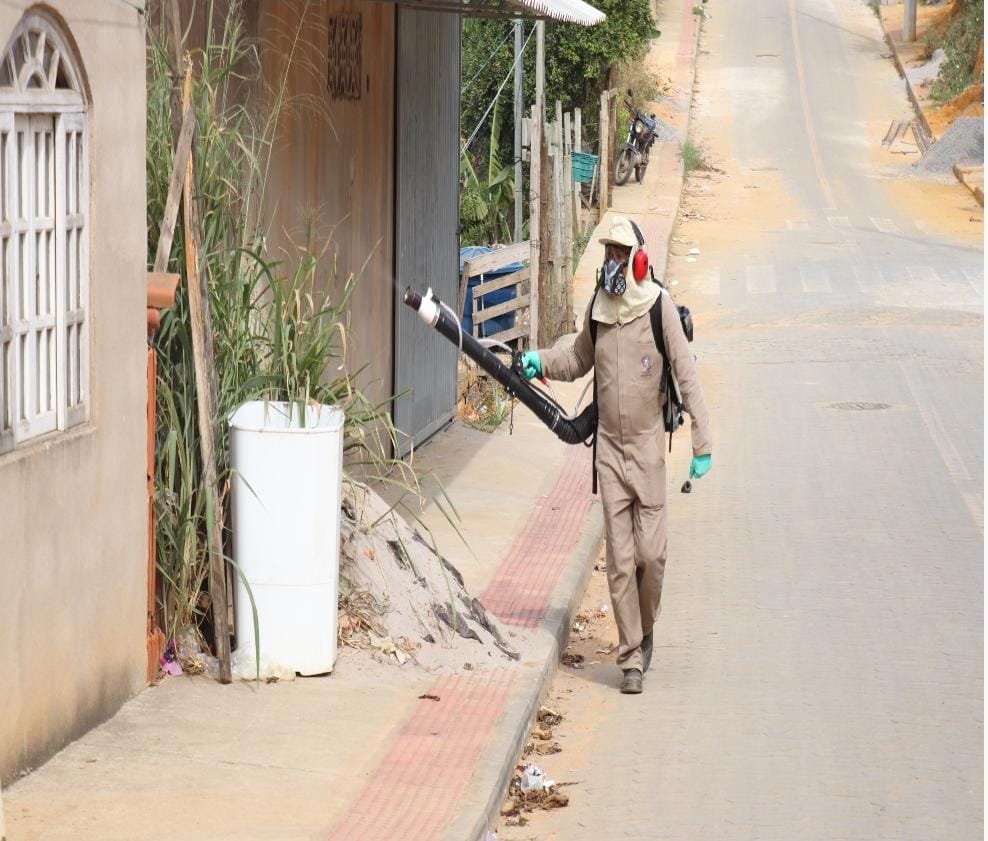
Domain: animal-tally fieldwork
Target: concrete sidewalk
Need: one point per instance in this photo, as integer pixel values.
(360, 754)
(357, 754)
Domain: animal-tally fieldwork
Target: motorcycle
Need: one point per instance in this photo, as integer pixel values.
(634, 153)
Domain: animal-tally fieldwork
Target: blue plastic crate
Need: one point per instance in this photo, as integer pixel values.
(583, 167)
(499, 296)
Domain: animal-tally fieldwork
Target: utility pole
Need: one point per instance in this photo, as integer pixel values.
(540, 67)
(909, 21)
(519, 113)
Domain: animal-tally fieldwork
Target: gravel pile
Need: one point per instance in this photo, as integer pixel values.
(964, 144)
(663, 131)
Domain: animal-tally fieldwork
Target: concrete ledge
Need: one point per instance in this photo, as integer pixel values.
(972, 177)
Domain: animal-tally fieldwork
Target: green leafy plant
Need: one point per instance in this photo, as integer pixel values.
(961, 39)
(487, 206)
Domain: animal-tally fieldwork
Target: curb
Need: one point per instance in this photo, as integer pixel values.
(683, 137)
(909, 87)
(496, 770)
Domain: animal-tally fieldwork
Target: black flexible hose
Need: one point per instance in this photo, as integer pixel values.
(580, 430)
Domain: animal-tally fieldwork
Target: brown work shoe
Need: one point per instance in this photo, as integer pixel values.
(646, 651)
(631, 683)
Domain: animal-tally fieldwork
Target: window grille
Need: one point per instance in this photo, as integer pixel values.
(44, 208)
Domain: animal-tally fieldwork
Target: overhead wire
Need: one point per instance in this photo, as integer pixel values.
(497, 95)
(489, 59)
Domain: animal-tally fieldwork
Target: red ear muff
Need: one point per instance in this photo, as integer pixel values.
(639, 265)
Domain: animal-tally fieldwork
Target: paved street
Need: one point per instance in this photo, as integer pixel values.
(818, 670)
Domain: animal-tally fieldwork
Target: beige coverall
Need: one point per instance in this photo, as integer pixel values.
(631, 444)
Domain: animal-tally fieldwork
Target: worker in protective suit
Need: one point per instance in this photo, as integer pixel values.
(630, 456)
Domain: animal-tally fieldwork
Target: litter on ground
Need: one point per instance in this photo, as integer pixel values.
(574, 661)
(548, 717)
(531, 789)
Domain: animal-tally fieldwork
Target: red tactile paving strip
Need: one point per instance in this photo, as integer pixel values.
(416, 790)
(521, 589)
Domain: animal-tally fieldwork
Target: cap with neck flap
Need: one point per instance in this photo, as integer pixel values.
(640, 293)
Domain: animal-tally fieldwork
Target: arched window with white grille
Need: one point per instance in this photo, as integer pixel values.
(44, 211)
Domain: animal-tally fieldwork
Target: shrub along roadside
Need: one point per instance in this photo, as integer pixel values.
(962, 40)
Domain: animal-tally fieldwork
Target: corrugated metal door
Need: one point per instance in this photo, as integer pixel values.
(427, 219)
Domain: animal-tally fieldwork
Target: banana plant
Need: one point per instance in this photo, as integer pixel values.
(486, 207)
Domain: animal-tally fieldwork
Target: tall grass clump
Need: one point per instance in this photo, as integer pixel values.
(279, 327)
(693, 157)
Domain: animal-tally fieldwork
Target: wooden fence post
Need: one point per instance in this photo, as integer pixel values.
(205, 374)
(605, 151)
(535, 222)
(577, 188)
(575, 191)
(558, 229)
(552, 235)
(545, 278)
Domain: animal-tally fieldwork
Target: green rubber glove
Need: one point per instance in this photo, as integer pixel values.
(700, 466)
(532, 364)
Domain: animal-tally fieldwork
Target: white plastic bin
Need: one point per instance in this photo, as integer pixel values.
(286, 532)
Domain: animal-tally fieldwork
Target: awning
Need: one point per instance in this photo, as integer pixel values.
(570, 11)
(566, 11)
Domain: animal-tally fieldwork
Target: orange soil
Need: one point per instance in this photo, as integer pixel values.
(968, 103)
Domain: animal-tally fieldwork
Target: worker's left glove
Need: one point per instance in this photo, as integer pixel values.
(700, 466)
(531, 364)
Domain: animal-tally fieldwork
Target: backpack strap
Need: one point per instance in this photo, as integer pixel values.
(674, 405)
(593, 467)
(593, 323)
(655, 316)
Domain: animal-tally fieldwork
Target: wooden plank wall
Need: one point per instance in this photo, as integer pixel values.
(332, 167)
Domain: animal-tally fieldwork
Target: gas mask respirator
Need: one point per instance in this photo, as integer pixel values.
(610, 277)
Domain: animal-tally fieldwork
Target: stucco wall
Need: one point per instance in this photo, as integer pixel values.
(73, 509)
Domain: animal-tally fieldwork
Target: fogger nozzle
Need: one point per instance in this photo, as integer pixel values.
(427, 306)
(576, 431)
